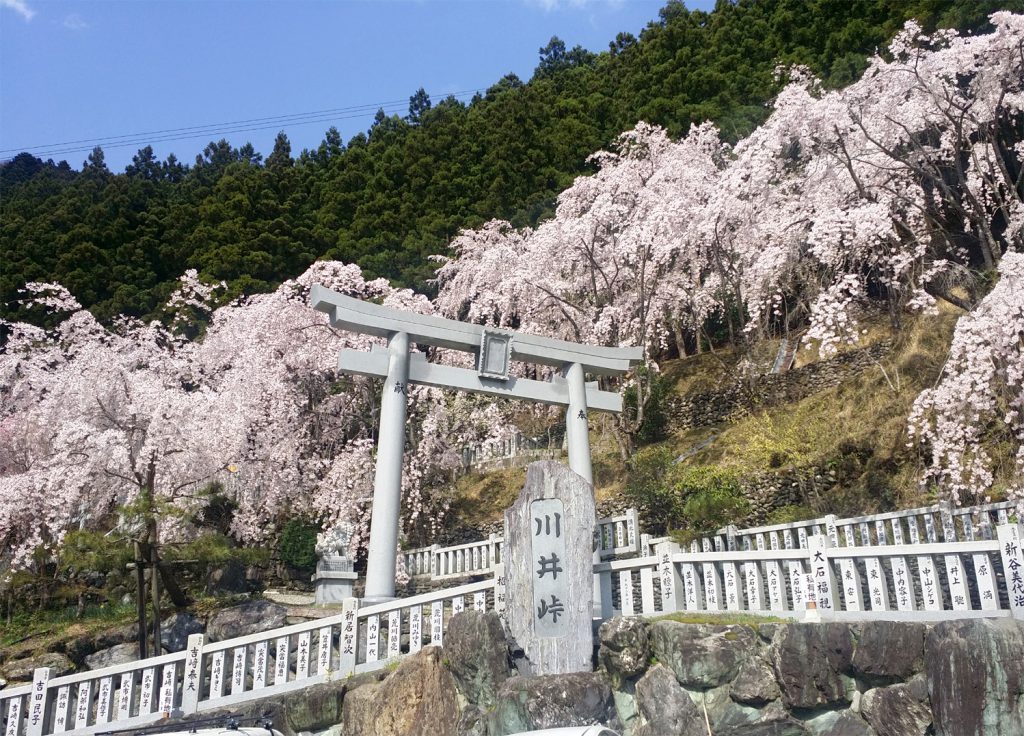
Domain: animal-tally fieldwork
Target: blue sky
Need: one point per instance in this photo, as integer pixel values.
(79, 71)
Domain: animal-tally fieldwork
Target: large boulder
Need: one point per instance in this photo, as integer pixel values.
(625, 647)
(250, 617)
(809, 660)
(319, 707)
(888, 651)
(839, 723)
(477, 655)
(79, 647)
(227, 579)
(726, 715)
(894, 711)
(665, 708)
(417, 699)
(20, 670)
(702, 656)
(754, 684)
(115, 655)
(551, 701)
(976, 677)
(175, 630)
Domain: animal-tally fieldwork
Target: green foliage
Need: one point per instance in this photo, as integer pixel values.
(393, 196)
(696, 500)
(654, 426)
(297, 544)
(34, 623)
(721, 619)
(712, 498)
(215, 548)
(648, 487)
(789, 514)
(90, 550)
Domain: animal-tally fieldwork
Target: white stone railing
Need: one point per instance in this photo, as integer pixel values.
(916, 581)
(924, 524)
(616, 536)
(219, 674)
(480, 455)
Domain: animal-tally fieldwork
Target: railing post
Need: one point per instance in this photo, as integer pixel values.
(193, 678)
(832, 529)
(632, 526)
(730, 538)
(1009, 536)
(36, 715)
(821, 572)
(673, 596)
(349, 631)
(955, 578)
(13, 717)
(500, 589)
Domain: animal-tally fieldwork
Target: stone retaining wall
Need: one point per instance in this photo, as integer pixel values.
(881, 678)
(713, 407)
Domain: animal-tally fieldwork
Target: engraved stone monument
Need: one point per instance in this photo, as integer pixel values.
(334, 576)
(549, 539)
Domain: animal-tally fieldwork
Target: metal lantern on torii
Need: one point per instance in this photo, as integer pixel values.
(495, 350)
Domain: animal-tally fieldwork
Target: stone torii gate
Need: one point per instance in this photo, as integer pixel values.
(495, 349)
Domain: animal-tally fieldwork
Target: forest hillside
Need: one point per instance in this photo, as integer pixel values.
(829, 297)
(387, 199)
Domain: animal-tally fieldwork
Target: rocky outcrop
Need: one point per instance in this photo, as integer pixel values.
(18, 671)
(755, 684)
(839, 723)
(174, 632)
(551, 701)
(664, 707)
(975, 671)
(477, 654)
(808, 660)
(895, 711)
(888, 651)
(117, 654)
(417, 699)
(702, 656)
(625, 648)
(251, 617)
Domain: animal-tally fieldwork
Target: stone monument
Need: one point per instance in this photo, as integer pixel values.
(334, 576)
(549, 542)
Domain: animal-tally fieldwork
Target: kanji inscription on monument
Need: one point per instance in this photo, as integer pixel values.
(549, 533)
(550, 587)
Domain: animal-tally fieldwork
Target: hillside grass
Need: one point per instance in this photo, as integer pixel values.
(855, 432)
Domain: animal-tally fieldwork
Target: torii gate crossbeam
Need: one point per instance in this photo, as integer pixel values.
(495, 349)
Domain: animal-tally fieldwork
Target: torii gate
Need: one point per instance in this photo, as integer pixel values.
(495, 349)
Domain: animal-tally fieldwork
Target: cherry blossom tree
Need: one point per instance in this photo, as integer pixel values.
(981, 388)
(904, 188)
(141, 416)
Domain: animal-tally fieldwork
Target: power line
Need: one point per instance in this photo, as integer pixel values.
(220, 129)
(204, 134)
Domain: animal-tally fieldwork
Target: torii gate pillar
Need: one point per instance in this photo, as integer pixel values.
(495, 349)
(577, 431)
(387, 479)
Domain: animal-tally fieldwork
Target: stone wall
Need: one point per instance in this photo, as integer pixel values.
(713, 407)
(652, 678)
(662, 678)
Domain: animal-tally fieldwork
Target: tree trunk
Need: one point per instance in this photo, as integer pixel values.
(154, 579)
(140, 599)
